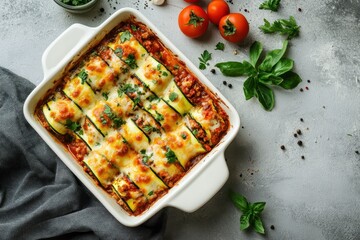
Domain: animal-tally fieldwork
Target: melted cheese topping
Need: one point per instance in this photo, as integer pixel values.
(80, 92)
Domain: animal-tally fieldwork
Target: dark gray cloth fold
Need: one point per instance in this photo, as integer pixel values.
(39, 197)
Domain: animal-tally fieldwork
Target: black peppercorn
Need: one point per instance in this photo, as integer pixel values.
(282, 147)
(213, 71)
(299, 132)
(225, 83)
(272, 227)
(303, 157)
(230, 85)
(300, 143)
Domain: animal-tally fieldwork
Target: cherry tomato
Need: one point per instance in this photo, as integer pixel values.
(216, 10)
(234, 27)
(193, 21)
(191, 1)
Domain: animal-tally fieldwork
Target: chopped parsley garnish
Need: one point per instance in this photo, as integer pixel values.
(165, 74)
(83, 76)
(136, 101)
(97, 144)
(173, 96)
(159, 117)
(145, 158)
(128, 88)
(119, 52)
(151, 193)
(152, 98)
(195, 132)
(272, 5)
(125, 36)
(220, 46)
(158, 67)
(117, 121)
(170, 155)
(176, 67)
(81, 132)
(148, 129)
(205, 57)
(105, 95)
(183, 135)
(133, 27)
(73, 126)
(131, 61)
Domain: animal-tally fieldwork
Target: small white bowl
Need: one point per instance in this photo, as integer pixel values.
(77, 9)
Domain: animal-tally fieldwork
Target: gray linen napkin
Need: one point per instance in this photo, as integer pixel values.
(39, 197)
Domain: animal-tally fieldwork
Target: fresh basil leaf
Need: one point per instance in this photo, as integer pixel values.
(273, 57)
(249, 88)
(283, 66)
(258, 207)
(291, 80)
(265, 96)
(255, 52)
(244, 221)
(236, 69)
(269, 79)
(258, 225)
(239, 201)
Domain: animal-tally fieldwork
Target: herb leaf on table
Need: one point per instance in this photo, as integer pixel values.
(272, 5)
(250, 212)
(273, 70)
(205, 57)
(220, 46)
(282, 26)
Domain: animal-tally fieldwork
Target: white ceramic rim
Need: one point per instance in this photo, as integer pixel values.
(189, 193)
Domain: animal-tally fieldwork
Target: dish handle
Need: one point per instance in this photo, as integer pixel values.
(204, 187)
(67, 42)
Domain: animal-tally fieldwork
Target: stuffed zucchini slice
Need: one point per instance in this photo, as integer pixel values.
(176, 99)
(62, 114)
(128, 49)
(162, 161)
(104, 118)
(184, 145)
(89, 133)
(128, 161)
(80, 92)
(129, 193)
(154, 75)
(109, 176)
(102, 170)
(168, 118)
(136, 90)
(119, 67)
(208, 117)
(145, 121)
(97, 73)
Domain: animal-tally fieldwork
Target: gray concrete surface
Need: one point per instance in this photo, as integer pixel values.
(315, 198)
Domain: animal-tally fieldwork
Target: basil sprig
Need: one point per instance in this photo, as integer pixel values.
(251, 212)
(273, 70)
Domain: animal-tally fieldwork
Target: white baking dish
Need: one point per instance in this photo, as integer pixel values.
(195, 188)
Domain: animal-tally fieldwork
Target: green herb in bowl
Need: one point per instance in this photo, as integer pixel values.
(75, 2)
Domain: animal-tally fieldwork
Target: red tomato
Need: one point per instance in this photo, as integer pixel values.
(216, 10)
(234, 27)
(191, 1)
(193, 21)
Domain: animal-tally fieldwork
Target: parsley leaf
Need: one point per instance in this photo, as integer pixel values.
(151, 193)
(119, 52)
(195, 19)
(136, 101)
(272, 5)
(282, 26)
(131, 61)
(170, 155)
(145, 158)
(105, 95)
(173, 96)
(133, 27)
(83, 76)
(251, 212)
(205, 57)
(117, 121)
(159, 117)
(183, 135)
(73, 126)
(125, 36)
(274, 70)
(220, 46)
(149, 129)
